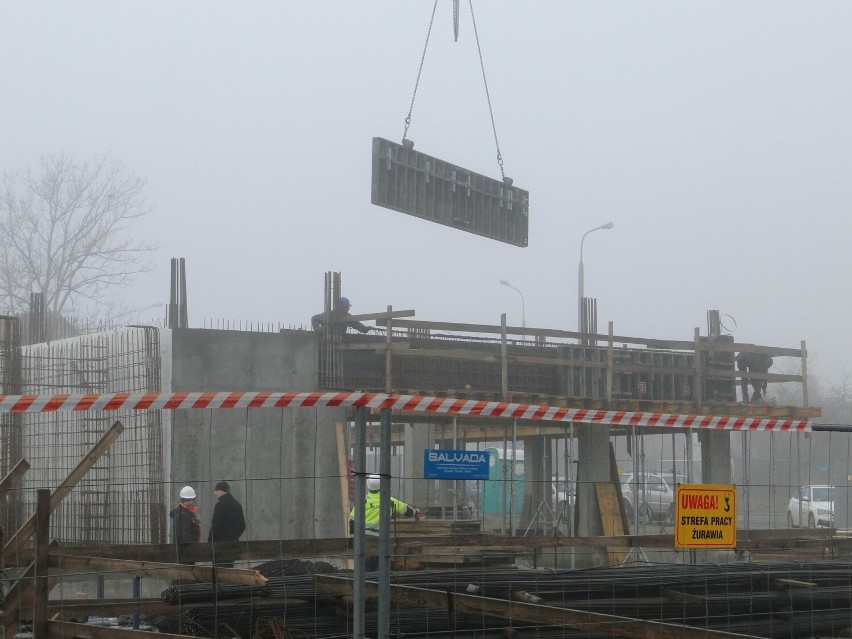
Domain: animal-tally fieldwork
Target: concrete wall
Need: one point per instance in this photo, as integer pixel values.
(282, 464)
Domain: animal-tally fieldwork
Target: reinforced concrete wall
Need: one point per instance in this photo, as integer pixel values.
(281, 464)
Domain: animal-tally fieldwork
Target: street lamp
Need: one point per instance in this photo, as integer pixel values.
(523, 303)
(580, 292)
(146, 309)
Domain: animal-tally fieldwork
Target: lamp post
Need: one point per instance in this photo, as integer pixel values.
(523, 303)
(580, 292)
(145, 310)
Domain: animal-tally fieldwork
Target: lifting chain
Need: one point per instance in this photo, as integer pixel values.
(419, 71)
(481, 65)
(487, 94)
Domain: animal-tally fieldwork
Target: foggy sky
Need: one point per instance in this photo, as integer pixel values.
(716, 136)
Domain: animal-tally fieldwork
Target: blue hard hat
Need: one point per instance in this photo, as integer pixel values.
(344, 301)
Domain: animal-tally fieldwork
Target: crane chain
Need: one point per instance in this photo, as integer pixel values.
(487, 94)
(419, 72)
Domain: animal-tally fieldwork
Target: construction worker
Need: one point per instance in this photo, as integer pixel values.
(228, 520)
(340, 318)
(371, 515)
(753, 363)
(186, 528)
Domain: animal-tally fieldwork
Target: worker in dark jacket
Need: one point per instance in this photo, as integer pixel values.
(228, 521)
(186, 528)
(748, 362)
(340, 318)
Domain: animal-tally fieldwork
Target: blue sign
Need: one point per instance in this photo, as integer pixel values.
(455, 464)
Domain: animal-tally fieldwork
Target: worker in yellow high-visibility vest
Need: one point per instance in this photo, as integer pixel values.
(371, 514)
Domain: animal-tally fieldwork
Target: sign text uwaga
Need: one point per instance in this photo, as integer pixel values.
(705, 516)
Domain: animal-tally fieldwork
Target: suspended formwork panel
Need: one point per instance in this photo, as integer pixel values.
(417, 184)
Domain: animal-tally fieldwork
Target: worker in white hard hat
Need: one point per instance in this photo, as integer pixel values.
(371, 514)
(186, 527)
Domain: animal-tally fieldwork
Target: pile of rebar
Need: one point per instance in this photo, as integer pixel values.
(765, 600)
(192, 592)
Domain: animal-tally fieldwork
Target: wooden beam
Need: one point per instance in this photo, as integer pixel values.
(42, 540)
(28, 528)
(610, 510)
(789, 584)
(389, 314)
(69, 630)
(586, 621)
(115, 607)
(225, 550)
(342, 546)
(681, 345)
(155, 569)
(343, 469)
(10, 481)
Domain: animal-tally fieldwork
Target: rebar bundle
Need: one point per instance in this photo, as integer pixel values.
(765, 600)
(193, 592)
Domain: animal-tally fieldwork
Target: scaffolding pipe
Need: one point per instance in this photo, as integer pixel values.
(384, 524)
(359, 464)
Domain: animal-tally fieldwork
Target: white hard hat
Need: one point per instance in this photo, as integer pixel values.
(373, 483)
(187, 492)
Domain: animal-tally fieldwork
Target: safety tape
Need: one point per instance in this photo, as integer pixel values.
(412, 403)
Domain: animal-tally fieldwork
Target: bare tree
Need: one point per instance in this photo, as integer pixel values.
(65, 233)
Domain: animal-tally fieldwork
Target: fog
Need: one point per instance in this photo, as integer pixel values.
(716, 136)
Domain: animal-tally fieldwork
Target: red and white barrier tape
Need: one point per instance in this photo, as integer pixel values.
(414, 403)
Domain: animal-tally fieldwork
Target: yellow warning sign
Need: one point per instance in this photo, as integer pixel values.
(705, 516)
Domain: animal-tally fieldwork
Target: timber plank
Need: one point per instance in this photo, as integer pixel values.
(114, 607)
(70, 630)
(781, 539)
(10, 481)
(228, 551)
(610, 509)
(156, 569)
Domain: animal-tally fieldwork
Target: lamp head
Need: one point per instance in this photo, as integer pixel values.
(608, 225)
(505, 283)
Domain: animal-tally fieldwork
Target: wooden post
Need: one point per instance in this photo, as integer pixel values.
(388, 343)
(343, 469)
(504, 361)
(698, 391)
(610, 361)
(42, 539)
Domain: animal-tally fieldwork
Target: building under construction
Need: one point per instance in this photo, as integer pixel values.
(549, 545)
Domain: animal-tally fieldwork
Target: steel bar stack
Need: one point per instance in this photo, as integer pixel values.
(764, 600)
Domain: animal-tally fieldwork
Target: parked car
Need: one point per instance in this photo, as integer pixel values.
(655, 501)
(811, 506)
(674, 480)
